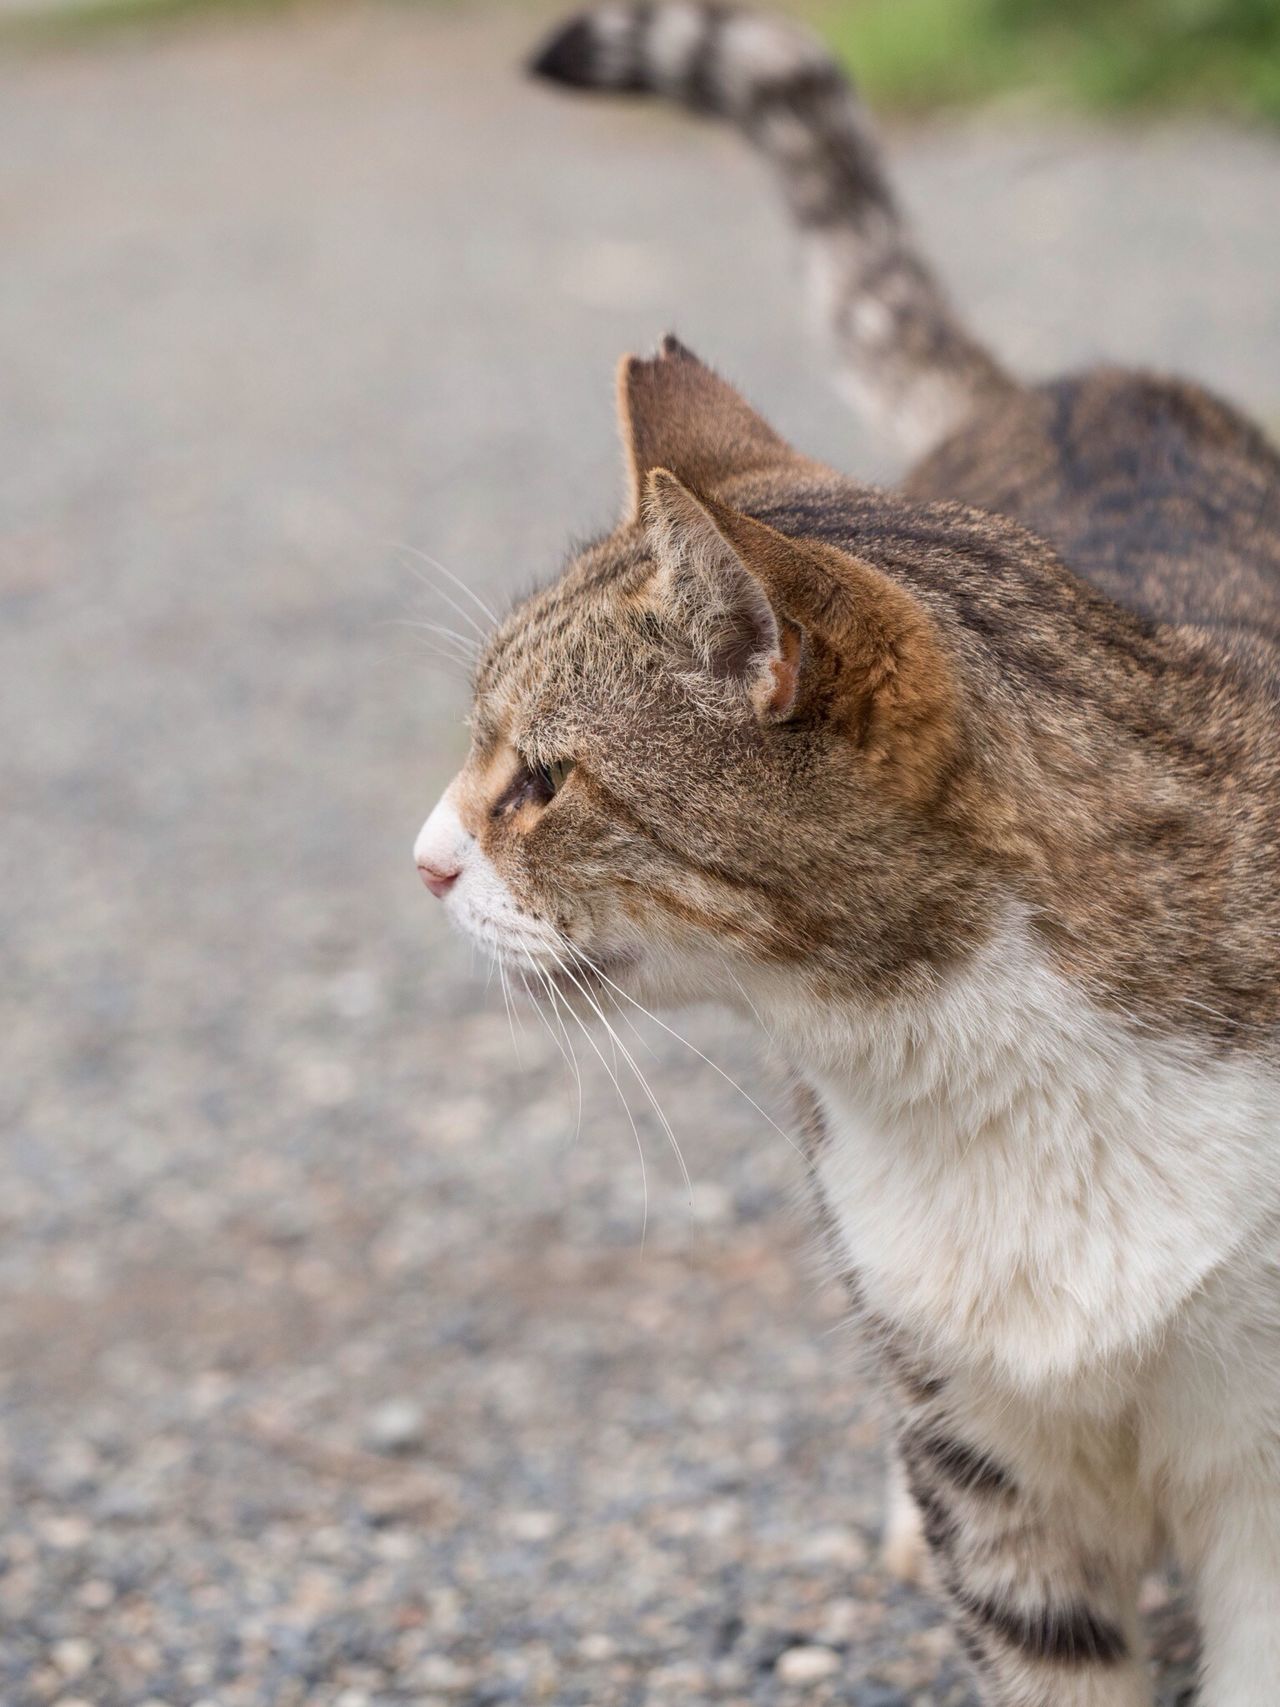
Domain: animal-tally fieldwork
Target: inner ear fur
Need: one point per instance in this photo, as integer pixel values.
(675, 413)
(716, 599)
(847, 642)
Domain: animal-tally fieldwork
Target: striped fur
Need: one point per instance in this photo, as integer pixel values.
(1042, 1581)
(901, 352)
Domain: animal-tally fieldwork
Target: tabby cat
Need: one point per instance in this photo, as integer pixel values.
(971, 791)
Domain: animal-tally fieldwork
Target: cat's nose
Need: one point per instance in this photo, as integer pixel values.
(440, 851)
(437, 880)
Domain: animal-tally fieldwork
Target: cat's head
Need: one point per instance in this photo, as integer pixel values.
(719, 756)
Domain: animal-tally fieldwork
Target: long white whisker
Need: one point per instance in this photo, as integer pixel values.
(506, 1002)
(630, 1059)
(631, 1025)
(439, 593)
(759, 1018)
(435, 627)
(451, 667)
(463, 665)
(631, 1120)
(467, 649)
(564, 1032)
(551, 1033)
(458, 582)
(728, 1079)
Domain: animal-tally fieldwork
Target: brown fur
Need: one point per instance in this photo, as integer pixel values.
(972, 721)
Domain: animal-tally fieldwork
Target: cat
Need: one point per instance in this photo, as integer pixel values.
(971, 792)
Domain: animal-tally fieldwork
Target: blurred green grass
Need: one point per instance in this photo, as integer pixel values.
(1097, 55)
(1220, 56)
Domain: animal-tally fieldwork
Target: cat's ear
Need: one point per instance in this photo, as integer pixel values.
(674, 413)
(715, 599)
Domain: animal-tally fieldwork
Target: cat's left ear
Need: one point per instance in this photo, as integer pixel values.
(674, 412)
(717, 601)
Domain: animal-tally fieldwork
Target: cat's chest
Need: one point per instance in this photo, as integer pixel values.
(1037, 1194)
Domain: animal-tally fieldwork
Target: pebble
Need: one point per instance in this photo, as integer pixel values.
(398, 1425)
(73, 1656)
(807, 1664)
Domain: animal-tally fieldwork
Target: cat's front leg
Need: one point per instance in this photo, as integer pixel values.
(904, 1552)
(1043, 1585)
(1229, 1537)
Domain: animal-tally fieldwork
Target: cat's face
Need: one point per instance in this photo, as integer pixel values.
(621, 806)
(700, 760)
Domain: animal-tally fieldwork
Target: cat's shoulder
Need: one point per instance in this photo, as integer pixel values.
(1151, 489)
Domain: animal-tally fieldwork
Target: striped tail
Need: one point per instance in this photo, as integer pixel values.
(902, 353)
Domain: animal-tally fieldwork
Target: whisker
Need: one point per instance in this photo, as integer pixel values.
(466, 640)
(631, 1026)
(759, 1018)
(506, 1002)
(458, 582)
(468, 649)
(440, 665)
(541, 1013)
(630, 1059)
(631, 1120)
(465, 664)
(564, 1032)
(461, 585)
(461, 668)
(728, 1079)
(439, 593)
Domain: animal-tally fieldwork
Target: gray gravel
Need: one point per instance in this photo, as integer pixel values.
(336, 1368)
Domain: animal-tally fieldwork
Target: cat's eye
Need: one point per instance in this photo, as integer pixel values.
(534, 784)
(550, 777)
(557, 773)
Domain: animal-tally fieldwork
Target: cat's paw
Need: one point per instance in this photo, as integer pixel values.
(904, 1552)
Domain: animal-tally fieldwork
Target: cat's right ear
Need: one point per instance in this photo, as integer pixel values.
(675, 413)
(717, 601)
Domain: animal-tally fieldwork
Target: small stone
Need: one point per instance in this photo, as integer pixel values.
(65, 1533)
(73, 1657)
(437, 1671)
(596, 1647)
(533, 1525)
(396, 1426)
(842, 1619)
(806, 1664)
(326, 1083)
(97, 1594)
(832, 1546)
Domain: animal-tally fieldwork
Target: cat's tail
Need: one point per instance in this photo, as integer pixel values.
(902, 352)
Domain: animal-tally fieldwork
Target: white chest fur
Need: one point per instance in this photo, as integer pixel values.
(1030, 1186)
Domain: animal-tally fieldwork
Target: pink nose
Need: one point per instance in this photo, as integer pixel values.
(437, 881)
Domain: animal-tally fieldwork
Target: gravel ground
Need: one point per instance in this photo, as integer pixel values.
(337, 1368)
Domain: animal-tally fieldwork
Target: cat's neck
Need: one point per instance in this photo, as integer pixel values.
(1018, 1174)
(944, 1063)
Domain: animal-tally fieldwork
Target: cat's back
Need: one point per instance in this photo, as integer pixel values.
(1153, 490)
